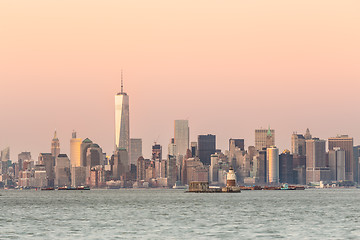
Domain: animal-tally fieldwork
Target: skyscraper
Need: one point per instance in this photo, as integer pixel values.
(286, 167)
(194, 149)
(307, 135)
(83, 150)
(22, 157)
(5, 154)
(264, 138)
(356, 164)
(272, 165)
(135, 150)
(47, 160)
(62, 170)
(122, 129)
(181, 136)
(5, 157)
(156, 151)
(172, 148)
(236, 143)
(316, 169)
(75, 156)
(298, 144)
(345, 143)
(55, 146)
(206, 147)
(121, 164)
(337, 164)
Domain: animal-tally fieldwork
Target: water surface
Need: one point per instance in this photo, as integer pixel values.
(173, 214)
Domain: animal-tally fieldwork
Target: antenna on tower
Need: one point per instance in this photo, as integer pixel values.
(122, 83)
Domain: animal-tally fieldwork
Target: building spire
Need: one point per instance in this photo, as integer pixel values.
(55, 134)
(122, 82)
(269, 134)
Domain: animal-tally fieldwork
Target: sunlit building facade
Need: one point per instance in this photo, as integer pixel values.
(122, 128)
(181, 136)
(272, 165)
(75, 144)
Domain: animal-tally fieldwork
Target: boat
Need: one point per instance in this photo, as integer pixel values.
(176, 186)
(73, 188)
(48, 189)
(287, 187)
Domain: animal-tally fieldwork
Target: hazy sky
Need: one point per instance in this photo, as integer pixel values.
(227, 66)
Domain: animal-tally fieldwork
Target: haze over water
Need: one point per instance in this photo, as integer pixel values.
(173, 214)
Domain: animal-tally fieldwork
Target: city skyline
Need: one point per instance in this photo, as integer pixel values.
(307, 71)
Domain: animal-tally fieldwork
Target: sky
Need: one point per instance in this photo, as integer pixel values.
(228, 67)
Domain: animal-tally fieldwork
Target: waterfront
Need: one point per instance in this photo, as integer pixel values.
(173, 214)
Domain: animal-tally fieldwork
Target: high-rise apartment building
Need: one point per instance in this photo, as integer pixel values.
(181, 136)
(345, 143)
(122, 122)
(55, 146)
(206, 147)
(272, 165)
(135, 150)
(264, 138)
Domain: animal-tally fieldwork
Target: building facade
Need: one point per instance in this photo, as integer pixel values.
(206, 147)
(75, 144)
(122, 122)
(298, 144)
(135, 150)
(316, 169)
(55, 146)
(345, 143)
(337, 164)
(181, 136)
(272, 154)
(264, 138)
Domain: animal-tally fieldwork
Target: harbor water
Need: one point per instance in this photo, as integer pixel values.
(174, 214)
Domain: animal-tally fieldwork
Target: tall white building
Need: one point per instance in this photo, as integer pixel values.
(122, 128)
(181, 136)
(272, 164)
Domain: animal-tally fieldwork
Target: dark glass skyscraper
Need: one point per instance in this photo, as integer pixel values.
(206, 147)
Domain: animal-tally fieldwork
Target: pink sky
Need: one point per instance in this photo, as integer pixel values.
(227, 66)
